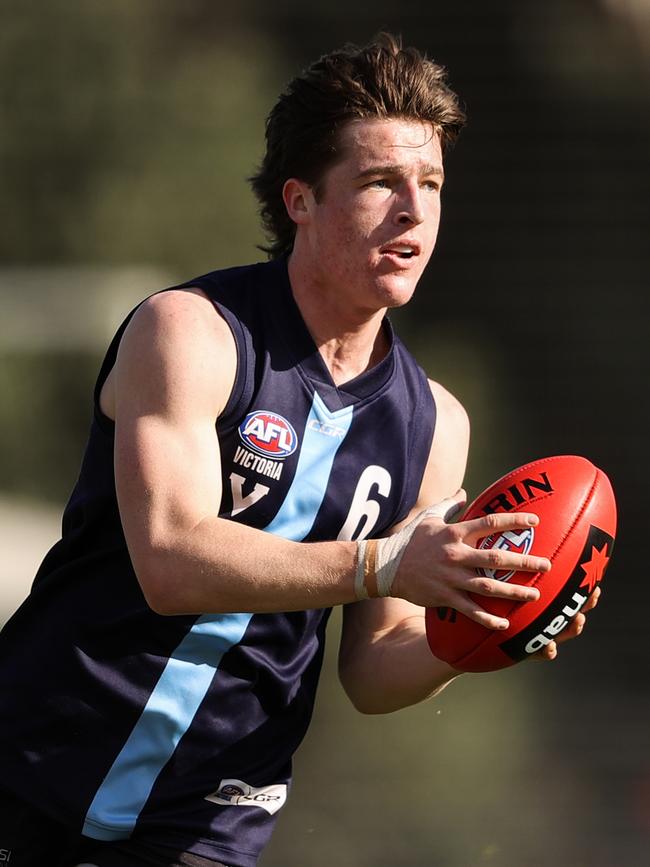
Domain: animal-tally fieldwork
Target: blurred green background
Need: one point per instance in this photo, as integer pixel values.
(127, 131)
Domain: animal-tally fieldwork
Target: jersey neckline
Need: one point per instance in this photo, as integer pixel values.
(308, 360)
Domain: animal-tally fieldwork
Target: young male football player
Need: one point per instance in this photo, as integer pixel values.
(261, 447)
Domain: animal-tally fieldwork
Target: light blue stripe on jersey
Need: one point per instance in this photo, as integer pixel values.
(189, 672)
(164, 720)
(324, 433)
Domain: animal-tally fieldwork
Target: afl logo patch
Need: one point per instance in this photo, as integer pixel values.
(517, 542)
(268, 434)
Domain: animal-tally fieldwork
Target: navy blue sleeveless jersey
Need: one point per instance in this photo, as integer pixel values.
(181, 729)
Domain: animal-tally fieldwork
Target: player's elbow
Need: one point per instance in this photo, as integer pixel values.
(162, 590)
(160, 600)
(363, 692)
(157, 593)
(371, 703)
(365, 705)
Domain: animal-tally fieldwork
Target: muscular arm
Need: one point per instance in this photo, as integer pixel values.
(384, 659)
(172, 378)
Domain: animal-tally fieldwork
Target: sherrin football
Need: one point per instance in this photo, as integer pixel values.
(577, 525)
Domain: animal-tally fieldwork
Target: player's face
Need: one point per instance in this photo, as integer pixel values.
(375, 221)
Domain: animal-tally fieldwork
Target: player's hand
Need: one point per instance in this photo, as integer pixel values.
(574, 629)
(439, 565)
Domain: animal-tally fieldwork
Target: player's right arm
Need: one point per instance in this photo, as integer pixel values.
(172, 378)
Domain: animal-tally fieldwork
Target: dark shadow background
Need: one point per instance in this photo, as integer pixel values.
(127, 133)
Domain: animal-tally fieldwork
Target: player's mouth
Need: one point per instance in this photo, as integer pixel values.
(401, 252)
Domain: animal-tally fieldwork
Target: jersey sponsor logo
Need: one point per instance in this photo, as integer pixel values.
(326, 428)
(268, 434)
(235, 793)
(264, 466)
(517, 541)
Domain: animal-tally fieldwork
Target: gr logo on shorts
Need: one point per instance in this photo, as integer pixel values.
(235, 793)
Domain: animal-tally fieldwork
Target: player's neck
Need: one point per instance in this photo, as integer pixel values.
(350, 341)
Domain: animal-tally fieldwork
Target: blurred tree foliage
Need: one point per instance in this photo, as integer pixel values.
(128, 130)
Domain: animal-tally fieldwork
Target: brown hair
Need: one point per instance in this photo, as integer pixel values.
(379, 80)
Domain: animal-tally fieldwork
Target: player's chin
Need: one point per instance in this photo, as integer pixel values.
(397, 288)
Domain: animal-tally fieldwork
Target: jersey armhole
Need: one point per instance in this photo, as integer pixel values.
(104, 423)
(238, 398)
(241, 392)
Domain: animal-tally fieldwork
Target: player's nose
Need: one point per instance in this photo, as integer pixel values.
(410, 209)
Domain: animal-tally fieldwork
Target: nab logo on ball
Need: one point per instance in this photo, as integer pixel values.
(268, 434)
(517, 542)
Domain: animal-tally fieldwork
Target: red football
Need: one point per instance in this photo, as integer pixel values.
(577, 524)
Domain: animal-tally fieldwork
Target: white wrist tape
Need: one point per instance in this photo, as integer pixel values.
(379, 559)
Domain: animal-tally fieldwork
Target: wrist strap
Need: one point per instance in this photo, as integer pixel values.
(379, 559)
(365, 580)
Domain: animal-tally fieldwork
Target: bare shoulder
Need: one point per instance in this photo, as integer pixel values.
(176, 346)
(448, 457)
(452, 418)
(451, 413)
(185, 315)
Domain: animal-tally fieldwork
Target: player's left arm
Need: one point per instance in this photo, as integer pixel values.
(385, 662)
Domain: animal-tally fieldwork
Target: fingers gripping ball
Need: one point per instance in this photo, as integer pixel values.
(577, 525)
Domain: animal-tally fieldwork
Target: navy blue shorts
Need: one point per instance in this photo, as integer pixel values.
(29, 838)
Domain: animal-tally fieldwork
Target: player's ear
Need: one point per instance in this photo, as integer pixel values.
(298, 200)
